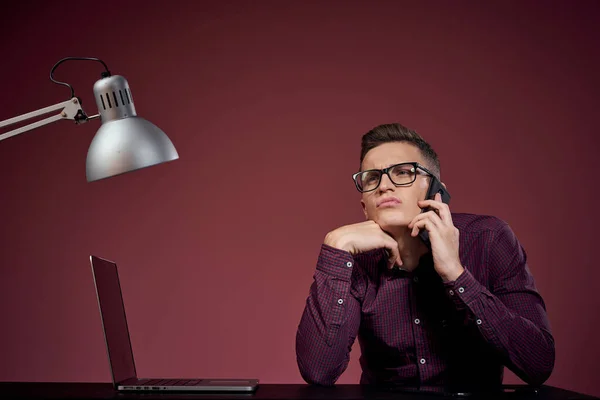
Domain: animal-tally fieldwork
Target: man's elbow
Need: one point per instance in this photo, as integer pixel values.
(539, 374)
(313, 377)
(538, 378)
(320, 375)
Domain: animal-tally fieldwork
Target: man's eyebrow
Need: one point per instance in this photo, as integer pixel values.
(395, 163)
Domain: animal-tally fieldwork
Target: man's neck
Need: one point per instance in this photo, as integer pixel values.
(411, 249)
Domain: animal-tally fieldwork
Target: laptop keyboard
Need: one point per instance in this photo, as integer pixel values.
(169, 382)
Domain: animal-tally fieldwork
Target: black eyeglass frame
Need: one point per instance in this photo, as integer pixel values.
(385, 171)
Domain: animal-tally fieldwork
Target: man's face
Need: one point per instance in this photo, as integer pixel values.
(403, 205)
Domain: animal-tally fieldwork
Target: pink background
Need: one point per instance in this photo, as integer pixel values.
(266, 103)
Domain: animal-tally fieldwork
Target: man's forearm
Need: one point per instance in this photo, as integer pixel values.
(323, 348)
(519, 333)
(330, 320)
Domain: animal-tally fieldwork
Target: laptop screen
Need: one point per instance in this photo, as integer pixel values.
(112, 311)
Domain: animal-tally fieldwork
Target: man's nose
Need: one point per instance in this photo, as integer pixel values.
(386, 183)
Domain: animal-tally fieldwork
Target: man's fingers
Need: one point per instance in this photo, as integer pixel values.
(389, 243)
(424, 223)
(393, 253)
(396, 254)
(441, 209)
(429, 215)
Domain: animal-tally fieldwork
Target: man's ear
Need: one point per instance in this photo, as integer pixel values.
(364, 208)
(444, 185)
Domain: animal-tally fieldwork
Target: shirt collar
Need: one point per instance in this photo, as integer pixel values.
(423, 271)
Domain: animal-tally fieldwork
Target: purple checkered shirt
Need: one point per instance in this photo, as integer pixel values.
(414, 329)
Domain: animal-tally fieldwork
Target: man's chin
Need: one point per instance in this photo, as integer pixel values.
(392, 223)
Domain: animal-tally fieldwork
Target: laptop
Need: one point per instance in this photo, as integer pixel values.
(118, 343)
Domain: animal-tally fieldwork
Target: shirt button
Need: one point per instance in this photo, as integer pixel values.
(416, 279)
(417, 321)
(478, 322)
(340, 301)
(422, 361)
(461, 290)
(349, 264)
(451, 292)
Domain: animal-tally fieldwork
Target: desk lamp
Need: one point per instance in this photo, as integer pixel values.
(124, 142)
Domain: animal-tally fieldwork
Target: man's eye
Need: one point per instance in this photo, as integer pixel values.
(403, 171)
(371, 178)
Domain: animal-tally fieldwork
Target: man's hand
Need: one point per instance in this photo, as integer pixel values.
(443, 236)
(364, 236)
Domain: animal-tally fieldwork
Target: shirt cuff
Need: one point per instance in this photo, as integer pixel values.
(464, 290)
(335, 262)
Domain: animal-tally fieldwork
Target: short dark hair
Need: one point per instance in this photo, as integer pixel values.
(396, 132)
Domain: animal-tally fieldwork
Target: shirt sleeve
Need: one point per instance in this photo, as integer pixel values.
(511, 315)
(331, 318)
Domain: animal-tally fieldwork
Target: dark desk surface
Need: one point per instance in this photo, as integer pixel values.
(71, 391)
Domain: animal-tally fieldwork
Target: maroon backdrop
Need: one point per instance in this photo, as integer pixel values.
(266, 104)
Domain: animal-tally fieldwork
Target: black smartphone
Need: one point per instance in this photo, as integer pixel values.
(435, 186)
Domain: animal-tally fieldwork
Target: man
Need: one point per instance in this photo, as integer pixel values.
(452, 313)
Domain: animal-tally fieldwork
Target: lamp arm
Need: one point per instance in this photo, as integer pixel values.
(70, 109)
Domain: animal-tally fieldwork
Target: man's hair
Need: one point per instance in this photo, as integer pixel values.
(396, 132)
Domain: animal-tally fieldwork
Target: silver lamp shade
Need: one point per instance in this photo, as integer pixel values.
(124, 142)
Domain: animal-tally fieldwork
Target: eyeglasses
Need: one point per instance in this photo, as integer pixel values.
(400, 174)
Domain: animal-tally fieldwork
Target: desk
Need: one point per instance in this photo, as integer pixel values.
(72, 391)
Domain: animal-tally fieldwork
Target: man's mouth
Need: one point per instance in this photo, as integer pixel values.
(388, 202)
